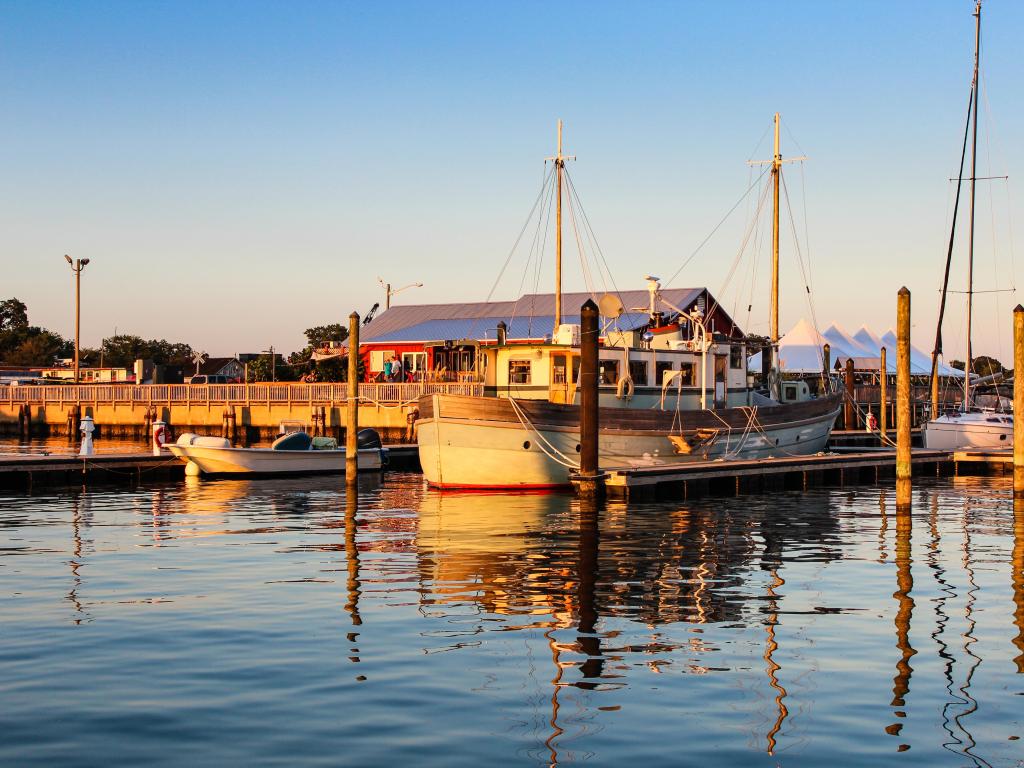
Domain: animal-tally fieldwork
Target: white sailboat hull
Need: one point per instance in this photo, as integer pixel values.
(229, 461)
(967, 431)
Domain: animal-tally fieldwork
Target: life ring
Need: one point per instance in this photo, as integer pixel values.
(625, 388)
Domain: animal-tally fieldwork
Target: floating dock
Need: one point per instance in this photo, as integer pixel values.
(28, 471)
(787, 473)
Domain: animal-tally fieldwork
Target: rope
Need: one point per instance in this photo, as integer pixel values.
(883, 438)
(542, 441)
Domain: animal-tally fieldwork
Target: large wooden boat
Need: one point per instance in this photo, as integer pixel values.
(673, 387)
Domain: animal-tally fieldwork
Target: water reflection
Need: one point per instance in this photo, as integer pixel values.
(553, 631)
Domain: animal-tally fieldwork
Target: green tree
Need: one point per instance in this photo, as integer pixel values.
(39, 349)
(13, 315)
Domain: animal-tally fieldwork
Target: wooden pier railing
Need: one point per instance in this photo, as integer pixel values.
(229, 394)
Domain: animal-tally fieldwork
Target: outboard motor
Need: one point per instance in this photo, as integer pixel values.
(368, 438)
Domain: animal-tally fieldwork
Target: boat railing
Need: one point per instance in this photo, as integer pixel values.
(383, 393)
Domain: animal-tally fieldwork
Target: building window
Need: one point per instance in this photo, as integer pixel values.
(609, 371)
(518, 371)
(558, 370)
(735, 356)
(686, 377)
(638, 372)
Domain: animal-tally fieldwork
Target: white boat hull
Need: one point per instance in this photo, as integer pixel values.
(463, 453)
(969, 431)
(228, 461)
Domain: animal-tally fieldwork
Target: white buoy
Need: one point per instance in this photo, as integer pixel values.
(192, 469)
(87, 428)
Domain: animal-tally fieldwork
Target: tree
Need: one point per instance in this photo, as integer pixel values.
(986, 366)
(39, 349)
(13, 315)
(319, 335)
(123, 350)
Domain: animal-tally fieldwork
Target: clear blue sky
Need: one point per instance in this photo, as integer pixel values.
(239, 171)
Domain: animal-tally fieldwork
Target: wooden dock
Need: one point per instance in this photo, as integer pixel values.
(28, 471)
(757, 475)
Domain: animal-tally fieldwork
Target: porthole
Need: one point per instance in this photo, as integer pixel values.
(1002, 437)
(578, 447)
(776, 441)
(526, 445)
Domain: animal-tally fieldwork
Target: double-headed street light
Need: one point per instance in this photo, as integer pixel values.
(388, 292)
(77, 265)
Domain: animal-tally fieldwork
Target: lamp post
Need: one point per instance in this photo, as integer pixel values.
(77, 265)
(388, 293)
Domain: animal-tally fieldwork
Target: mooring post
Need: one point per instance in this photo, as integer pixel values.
(1018, 401)
(589, 481)
(826, 363)
(352, 423)
(849, 417)
(903, 395)
(883, 400)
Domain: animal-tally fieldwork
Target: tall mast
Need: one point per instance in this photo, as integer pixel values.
(776, 169)
(970, 238)
(559, 166)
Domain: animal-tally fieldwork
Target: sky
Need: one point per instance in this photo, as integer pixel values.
(239, 171)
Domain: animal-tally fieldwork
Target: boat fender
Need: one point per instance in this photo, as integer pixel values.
(625, 388)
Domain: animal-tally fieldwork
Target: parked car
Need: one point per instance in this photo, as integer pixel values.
(215, 378)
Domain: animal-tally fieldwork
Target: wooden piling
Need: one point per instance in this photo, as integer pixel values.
(883, 404)
(232, 425)
(352, 422)
(1018, 401)
(589, 481)
(826, 363)
(849, 416)
(903, 385)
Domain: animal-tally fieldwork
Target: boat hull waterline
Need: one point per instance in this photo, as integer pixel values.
(526, 444)
(231, 461)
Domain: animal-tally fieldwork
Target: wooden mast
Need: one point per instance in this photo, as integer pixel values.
(970, 238)
(559, 160)
(776, 173)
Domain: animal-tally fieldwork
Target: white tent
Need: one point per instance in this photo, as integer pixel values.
(800, 350)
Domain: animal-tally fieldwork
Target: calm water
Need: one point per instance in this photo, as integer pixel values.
(281, 623)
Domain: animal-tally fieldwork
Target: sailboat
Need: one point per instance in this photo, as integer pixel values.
(969, 427)
(524, 432)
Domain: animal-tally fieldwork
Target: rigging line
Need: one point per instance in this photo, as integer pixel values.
(937, 351)
(576, 213)
(717, 227)
(515, 245)
(739, 254)
(992, 221)
(588, 278)
(994, 133)
(770, 124)
(807, 230)
(541, 223)
(800, 260)
(597, 245)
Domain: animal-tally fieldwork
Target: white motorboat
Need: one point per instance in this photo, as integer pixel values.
(294, 453)
(973, 429)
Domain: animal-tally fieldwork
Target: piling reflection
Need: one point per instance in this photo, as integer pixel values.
(1017, 580)
(81, 521)
(352, 585)
(904, 613)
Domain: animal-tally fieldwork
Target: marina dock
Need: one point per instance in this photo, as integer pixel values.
(27, 472)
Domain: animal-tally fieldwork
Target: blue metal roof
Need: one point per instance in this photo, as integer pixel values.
(484, 328)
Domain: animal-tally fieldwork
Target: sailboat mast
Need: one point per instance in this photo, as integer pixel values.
(559, 165)
(775, 387)
(970, 238)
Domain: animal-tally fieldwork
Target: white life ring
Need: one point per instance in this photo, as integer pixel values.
(625, 388)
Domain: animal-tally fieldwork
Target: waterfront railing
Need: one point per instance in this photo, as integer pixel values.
(386, 393)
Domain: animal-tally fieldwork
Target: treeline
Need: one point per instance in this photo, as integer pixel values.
(34, 346)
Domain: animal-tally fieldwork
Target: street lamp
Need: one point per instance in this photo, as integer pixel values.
(77, 265)
(388, 293)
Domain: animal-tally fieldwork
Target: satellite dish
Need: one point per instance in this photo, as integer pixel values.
(610, 306)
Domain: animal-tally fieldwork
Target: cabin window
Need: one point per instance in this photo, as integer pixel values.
(518, 371)
(659, 372)
(735, 356)
(609, 371)
(576, 368)
(790, 392)
(686, 377)
(638, 372)
(558, 370)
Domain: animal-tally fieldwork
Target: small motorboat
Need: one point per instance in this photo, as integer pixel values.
(292, 453)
